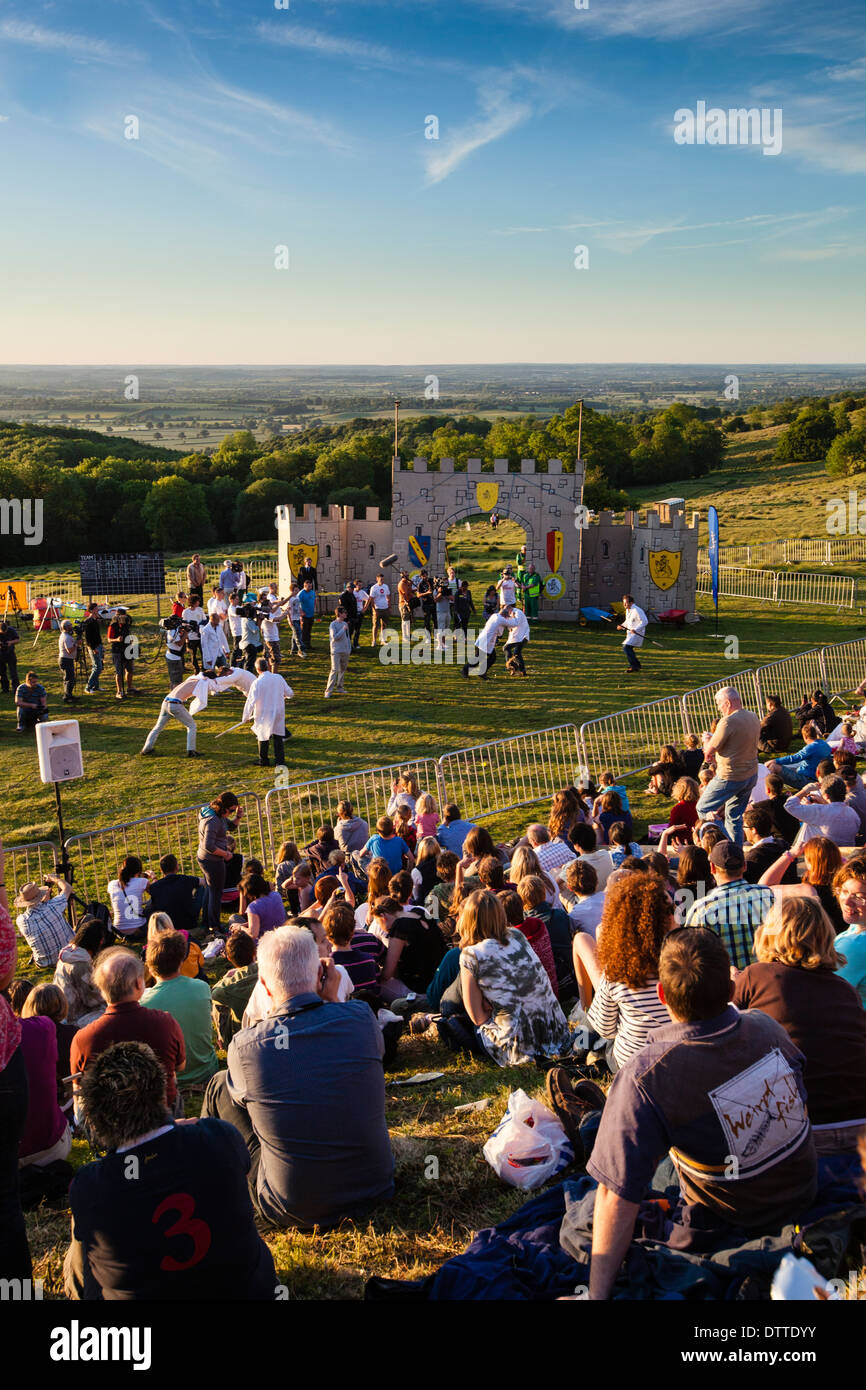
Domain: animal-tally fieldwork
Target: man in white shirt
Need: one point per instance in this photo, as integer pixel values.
(634, 626)
(486, 641)
(271, 631)
(516, 641)
(507, 587)
(67, 651)
(173, 707)
(214, 647)
(217, 604)
(265, 707)
(380, 602)
(361, 597)
(195, 614)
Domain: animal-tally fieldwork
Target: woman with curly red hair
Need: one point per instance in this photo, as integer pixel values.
(622, 964)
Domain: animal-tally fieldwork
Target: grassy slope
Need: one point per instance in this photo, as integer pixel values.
(576, 675)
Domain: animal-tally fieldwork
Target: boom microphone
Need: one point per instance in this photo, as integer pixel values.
(389, 559)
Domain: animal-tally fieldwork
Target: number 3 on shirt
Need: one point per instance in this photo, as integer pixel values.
(186, 1225)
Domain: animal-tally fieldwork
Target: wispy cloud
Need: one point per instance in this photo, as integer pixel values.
(78, 46)
(327, 45)
(500, 115)
(629, 237)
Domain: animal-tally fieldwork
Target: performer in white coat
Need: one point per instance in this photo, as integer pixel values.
(196, 689)
(516, 641)
(266, 708)
(634, 626)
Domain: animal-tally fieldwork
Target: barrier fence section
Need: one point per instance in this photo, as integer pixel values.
(28, 864)
(792, 677)
(296, 812)
(630, 740)
(495, 777)
(700, 708)
(791, 552)
(96, 856)
(773, 586)
(845, 665)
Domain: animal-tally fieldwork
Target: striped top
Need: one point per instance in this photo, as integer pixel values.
(626, 1016)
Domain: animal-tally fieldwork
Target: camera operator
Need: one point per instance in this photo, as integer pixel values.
(31, 700)
(175, 645)
(119, 630)
(9, 638)
(251, 639)
(194, 618)
(427, 596)
(92, 632)
(67, 651)
(271, 617)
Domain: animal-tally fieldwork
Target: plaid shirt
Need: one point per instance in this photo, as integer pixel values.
(46, 930)
(734, 911)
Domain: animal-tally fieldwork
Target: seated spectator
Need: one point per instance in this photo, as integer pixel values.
(136, 1240)
(119, 976)
(822, 811)
(297, 888)
(565, 814)
(762, 846)
(415, 948)
(49, 1001)
(798, 769)
(42, 919)
(658, 1105)
(259, 1005)
(47, 1137)
(795, 983)
(692, 756)
(777, 728)
(508, 1011)
(525, 864)
(479, 844)
(379, 875)
(734, 908)
(350, 831)
(585, 843)
(607, 783)
(404, 828)
(73, 973)
(266, 908)
(847, 742)
(338, 922)
(849, 885)
(668, 770)
(319, 849)
(453, 830)
(618, 971)
(438, 900)
(289, 857)
(387, 845)
(427, 816)
(694, 879)
(126, 894)
(621, 844)
(855, 791)
(659, 864)
(551, 854)
(424, 876)
(324, 890)
(231, 994)
(187, 1001)
(306, 1089)
(175, 894)
(823, 862)
(611, 814)
(31, 701)
(684, 812)
(486, 872)
(405, 791)
(816, 709)
(533, 929)
(784, 825)
(581, 897)
(158, 924)
(534, 898)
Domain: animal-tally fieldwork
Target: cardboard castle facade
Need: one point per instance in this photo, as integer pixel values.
(581, 563)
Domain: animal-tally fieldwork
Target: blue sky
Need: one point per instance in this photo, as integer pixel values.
(305, 127)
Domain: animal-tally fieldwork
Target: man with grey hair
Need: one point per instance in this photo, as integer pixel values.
(552, 855)
(119, 976)
(735, 747)
(306, 1089)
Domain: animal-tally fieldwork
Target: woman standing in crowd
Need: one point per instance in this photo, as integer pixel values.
(216, 847)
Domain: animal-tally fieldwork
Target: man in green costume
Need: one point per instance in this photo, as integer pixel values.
(530, 582)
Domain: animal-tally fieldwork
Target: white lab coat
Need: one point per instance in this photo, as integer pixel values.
(213, 645)
(266, 705)
(635, 622)
(519, 625)
(487, 637)
(235, 679)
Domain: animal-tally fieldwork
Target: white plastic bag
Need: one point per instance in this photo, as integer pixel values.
(529, 1145)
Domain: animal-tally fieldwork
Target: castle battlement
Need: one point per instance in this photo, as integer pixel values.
(500, 466)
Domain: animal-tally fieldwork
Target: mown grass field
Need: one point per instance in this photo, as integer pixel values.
(393, 713)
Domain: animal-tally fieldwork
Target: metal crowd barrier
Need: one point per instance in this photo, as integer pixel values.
(296, 812)
(28, 864)
(631, 739)
(773, 586)
(791, 552)
(845, 666)
(699, 706)
(495, 777)
(96, 856)
(792, 677)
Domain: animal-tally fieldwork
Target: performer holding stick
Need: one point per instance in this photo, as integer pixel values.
(634, 625)
(265, 707)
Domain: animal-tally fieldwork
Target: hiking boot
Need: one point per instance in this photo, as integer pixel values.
(571, 1105)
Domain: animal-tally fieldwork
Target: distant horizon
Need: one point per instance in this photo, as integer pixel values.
(421, 365)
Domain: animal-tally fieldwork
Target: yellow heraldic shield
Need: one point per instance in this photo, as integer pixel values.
(664, 567)
(298, 553)
(486, 495)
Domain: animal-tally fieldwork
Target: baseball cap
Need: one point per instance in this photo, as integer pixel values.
(727, 855)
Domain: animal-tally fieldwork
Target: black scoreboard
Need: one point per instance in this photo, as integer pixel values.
(131, 573)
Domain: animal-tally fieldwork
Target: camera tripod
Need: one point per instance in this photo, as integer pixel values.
(11, 604)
